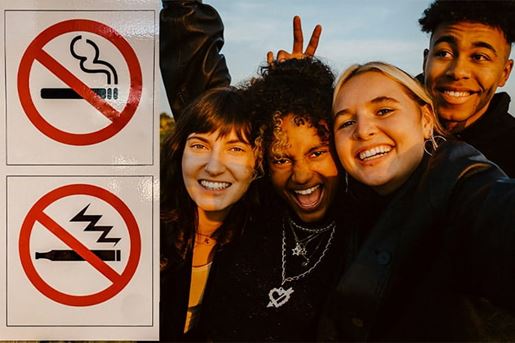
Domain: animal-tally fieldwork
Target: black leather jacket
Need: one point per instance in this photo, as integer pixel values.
(198, 64)
(439, 261)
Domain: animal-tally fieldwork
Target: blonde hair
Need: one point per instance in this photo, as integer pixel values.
(413, 88)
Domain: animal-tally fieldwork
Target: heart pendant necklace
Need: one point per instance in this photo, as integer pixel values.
(278, 295)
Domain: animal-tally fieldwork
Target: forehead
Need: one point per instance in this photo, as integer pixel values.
(219, 135)
(368, 88)
(295, 136)
(466, 34)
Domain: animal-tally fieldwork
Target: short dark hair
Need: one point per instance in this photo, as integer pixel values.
(222, 109)
(302, 87)
(494, 13)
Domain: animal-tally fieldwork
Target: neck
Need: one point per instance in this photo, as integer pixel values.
(209, 221)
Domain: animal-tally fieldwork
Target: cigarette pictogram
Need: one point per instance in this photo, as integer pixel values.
(90, 65)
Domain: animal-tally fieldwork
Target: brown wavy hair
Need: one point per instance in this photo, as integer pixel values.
(222, 110)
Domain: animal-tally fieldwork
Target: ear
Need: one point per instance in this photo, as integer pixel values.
(428, 121)
(426, 52)
(506, 72)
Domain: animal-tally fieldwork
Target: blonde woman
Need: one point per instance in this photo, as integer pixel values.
(433, 255)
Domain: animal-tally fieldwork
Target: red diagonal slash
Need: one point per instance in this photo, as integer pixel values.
(80, 248)
(77, 85)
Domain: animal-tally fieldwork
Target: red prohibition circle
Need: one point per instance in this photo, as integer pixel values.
(35, 52)
(119, 281)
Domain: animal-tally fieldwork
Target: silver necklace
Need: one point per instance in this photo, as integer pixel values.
(323, 229)
(300, 248)
(278, 295)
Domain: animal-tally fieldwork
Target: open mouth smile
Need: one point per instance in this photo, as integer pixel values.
(373, 153)
(214, 185)
(308, 198)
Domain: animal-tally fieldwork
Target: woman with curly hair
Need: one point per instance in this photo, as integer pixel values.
(274, 285)
(207, 165)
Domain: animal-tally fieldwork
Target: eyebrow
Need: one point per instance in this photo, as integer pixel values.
(452, 40)
(376, 100)
(232, 141)
(319, 146)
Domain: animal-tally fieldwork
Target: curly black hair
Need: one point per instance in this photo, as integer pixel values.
(302, 87)
(494, 13)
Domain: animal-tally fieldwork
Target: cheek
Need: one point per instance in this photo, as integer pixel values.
(189, 165)
(242, 169)
(279, 177)
(343, 150)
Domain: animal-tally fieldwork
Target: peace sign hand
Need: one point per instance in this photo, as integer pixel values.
(298, 42)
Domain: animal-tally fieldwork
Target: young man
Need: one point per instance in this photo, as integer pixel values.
(467, 60)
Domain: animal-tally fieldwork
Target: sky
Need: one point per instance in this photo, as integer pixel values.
(353, 31)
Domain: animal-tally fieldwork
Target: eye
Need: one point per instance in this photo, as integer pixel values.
(280, 161)
(317, 153)
(480, 57)
(384, 111)
(197, 146)
(443, 54)
(237, 149)
(345, 124)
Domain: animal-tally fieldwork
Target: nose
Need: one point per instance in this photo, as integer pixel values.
(458, 68)
(365, 128)
(215, 164)
(302, 172)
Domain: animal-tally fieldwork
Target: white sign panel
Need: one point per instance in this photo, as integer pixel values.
(79, 171)
(84, 84)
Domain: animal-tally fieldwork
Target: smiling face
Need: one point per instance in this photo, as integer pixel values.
(217, 170)
(379, 131)
(465, 64)
(303, 171)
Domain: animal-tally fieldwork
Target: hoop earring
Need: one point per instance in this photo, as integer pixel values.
(346, 182)
(435, 141)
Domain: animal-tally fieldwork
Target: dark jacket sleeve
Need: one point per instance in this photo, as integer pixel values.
(484, 212)
(191, 37)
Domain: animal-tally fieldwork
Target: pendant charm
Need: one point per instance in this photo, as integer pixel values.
(279, 296)
(299, 250)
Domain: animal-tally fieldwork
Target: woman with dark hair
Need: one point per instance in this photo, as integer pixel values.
(207, 165)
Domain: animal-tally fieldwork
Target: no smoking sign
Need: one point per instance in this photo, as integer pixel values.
(80, 91)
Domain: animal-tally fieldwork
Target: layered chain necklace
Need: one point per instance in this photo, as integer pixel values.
(278, 295)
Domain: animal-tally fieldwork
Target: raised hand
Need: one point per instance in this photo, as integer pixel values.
(298, 42)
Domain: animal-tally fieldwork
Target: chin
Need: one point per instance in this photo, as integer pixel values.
(311, 217)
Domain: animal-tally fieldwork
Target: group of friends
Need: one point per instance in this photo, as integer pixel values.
(374, 206)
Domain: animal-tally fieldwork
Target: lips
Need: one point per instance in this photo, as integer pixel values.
(455, 96)
(373, 153)
(214, 185)
(308, 198)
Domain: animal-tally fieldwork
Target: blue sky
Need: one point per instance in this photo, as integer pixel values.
(354, 31)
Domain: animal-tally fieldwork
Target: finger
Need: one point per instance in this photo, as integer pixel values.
(270, 57)
(298, 39)
(282, 56)
(313, 42)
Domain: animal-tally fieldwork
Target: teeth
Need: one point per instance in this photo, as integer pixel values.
(213, 185)
(383, 149)
(307, 191)
(457, 94)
